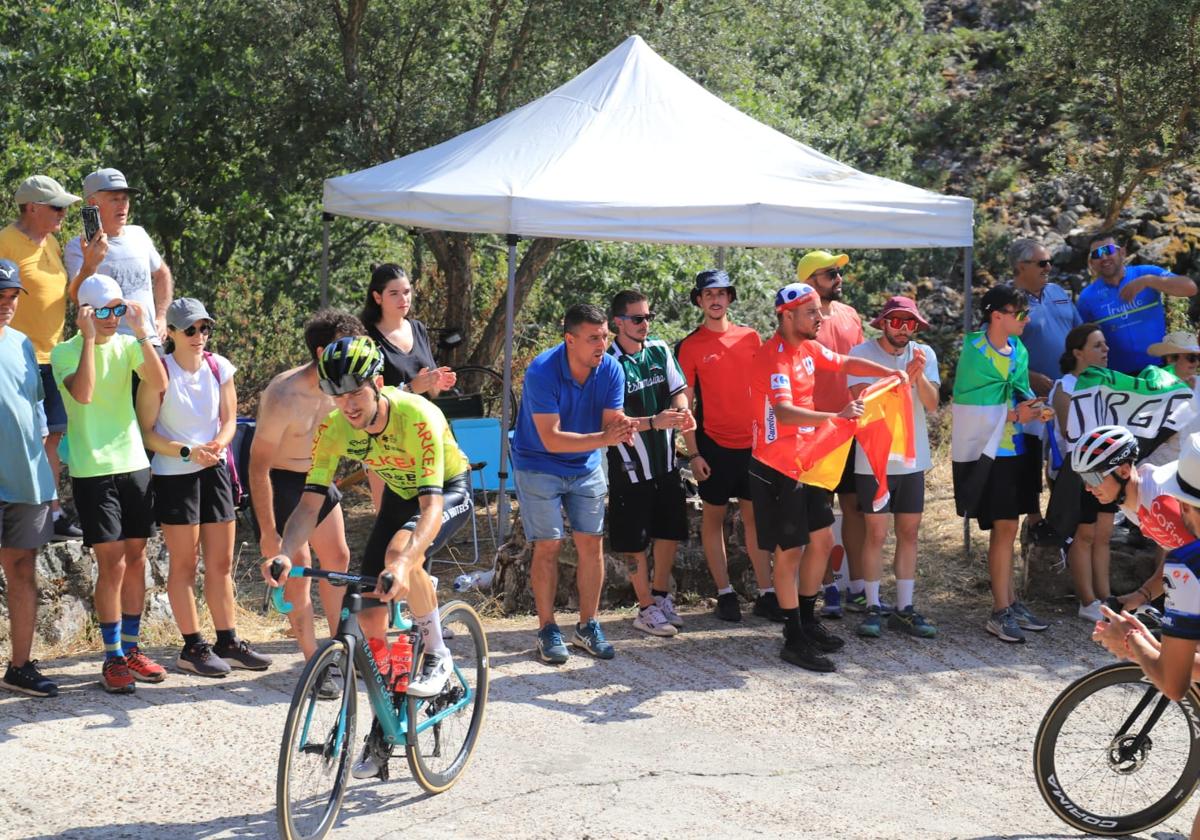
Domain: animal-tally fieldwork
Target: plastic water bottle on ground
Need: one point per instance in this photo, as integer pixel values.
(475, 580)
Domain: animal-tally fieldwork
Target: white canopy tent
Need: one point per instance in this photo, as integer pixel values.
(633, 150)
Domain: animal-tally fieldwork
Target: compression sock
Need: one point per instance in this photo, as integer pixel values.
(131, 626)
(110, 632)
(872, 588)
(791, 625)
(659, 593)
(904, 593)
(431, 632)
(857, 586)
(808, 609)
(227, 638)
(725, 590)
(191, 640)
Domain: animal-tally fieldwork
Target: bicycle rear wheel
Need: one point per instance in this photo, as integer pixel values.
(318, 740)
(438, 752)
(1091, 771)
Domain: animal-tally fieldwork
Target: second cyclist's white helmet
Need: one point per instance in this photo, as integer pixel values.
(1103, 449)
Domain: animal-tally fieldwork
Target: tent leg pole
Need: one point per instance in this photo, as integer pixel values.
(326, 219)
(506, 401)
(968, 271)
(721, 258)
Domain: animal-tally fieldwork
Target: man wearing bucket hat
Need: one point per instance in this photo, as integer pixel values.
(841, 329)
(26, 487)
(899, 320)
(714, 358)
(110, 474)
(30, 243)
(123, 252)
(795, 520)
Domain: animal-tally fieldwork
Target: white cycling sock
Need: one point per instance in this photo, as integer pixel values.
(857, 586)
(904, 593)
(725, 590)
(431, 632)
(872, 587)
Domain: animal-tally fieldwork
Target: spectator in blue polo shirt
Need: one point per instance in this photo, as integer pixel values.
(1052, 313)
(572, 408)
(1127, 302)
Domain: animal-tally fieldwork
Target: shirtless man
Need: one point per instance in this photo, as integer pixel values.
(291, 407)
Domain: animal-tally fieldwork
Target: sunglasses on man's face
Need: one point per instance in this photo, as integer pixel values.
(907, 324)
(829, 272)
(106, 312)
(1019, 314)
(1039, 263)
(638, 319)
(1190, 357)
(203, 329)
(1104, 251)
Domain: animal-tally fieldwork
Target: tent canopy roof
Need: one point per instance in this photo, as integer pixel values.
(633, 150)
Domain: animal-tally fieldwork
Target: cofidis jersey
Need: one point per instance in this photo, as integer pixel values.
(1182, 616)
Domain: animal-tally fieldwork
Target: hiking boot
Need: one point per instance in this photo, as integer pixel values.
(833, 602)
(821, 638)
(667, 605)
(65, 529)
(330, 687)
(116, 677)
(29, 680)
(872, 624)
(1091, 612)
(591, 638)
(199, 659)
(550, 645)
(1004, 626)
(799, 651)
(436, 669)
(1027, 619)
(651, 620)
(241, 655)
(912, 623)
(728, 607)
(766, 605)
(143, 667)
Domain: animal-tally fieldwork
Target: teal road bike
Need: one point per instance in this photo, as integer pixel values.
(437, 734)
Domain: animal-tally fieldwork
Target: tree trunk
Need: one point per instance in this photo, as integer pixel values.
(488, 351)
(454, 253)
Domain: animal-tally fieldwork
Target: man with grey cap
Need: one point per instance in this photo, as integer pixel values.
(26, 487)
(110, 474)
(122, 251)
(30, 243)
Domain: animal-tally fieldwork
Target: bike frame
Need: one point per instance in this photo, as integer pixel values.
(392, 717)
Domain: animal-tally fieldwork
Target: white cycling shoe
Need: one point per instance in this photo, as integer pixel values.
(435, 673)
(366, 767)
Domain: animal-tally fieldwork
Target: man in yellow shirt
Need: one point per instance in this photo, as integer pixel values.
(29, 242)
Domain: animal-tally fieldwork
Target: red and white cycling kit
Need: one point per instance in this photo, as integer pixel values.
(1158, 514)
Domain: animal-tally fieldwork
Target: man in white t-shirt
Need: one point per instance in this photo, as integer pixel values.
(896, 349)
(122, 251)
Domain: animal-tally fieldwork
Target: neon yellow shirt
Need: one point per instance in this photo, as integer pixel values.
(415, 453)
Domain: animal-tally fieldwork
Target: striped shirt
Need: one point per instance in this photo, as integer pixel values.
(652, 377)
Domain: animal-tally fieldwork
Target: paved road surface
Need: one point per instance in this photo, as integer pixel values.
(704, 735)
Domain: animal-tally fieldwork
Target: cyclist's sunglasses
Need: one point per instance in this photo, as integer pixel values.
(203, 329)
(908, 324)
(1094, 479)
(105, 312)
(1104, 251)
(638, 319)
(348, 384)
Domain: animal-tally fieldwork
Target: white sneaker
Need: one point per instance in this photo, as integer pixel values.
(651, 620)
(366, 767)
(667, 606)
(1091, 611)
(435, 673)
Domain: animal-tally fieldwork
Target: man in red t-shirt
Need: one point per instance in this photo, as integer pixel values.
(795, 519)
(714, 358)
(841, 329)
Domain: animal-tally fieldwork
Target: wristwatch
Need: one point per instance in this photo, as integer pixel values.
(185, 452)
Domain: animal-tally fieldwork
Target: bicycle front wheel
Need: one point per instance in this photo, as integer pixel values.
(442, 730)
(318, 740)
(1114, 756)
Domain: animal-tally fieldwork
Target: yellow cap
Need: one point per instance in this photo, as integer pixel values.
(816, 260)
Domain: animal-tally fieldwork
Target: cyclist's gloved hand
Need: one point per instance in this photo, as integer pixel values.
(284, 567)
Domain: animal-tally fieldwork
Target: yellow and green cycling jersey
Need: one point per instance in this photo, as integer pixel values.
(414, 454)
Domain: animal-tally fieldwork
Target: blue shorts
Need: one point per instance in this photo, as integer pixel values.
(544, 496)
(56, 412)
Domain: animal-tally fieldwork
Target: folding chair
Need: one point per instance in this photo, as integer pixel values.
(479, 439)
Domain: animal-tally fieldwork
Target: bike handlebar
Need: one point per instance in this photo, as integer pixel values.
(385, 581)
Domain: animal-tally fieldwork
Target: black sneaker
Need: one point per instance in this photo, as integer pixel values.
(241, 655)
(199, 659)
(65, 529)
(800, 652)
(331, 684)
(728, 607)
(821, 638)
(766, 605)
(29, 680)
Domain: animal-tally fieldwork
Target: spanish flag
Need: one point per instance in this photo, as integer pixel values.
(884, 433)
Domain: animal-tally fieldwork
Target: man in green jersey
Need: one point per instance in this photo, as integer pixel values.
(646, 500)
(405, 440)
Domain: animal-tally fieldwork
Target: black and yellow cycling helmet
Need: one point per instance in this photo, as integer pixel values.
(348, 363)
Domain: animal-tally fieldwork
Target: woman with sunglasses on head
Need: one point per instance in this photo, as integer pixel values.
(408, 361)
(1089, 554)
(189, 426)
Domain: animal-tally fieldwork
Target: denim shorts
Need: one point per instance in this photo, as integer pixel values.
(543, 497)
(56, 412)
